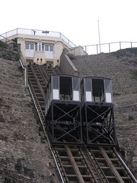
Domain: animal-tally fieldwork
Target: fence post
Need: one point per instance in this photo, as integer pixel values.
(97, 48)
(6, 37)
(86, 49)
(109, 47)
(131, 44)
(120, 45)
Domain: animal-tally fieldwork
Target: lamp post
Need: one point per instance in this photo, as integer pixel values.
(99, 37)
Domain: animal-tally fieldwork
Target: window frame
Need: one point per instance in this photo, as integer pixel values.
(27, 46)
(51, 46)
(31, 46)
(46, 46)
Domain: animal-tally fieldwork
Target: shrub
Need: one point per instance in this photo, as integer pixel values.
(3, 45)
(17, 55)
(130, 117)
(134, 73)
(125, 52)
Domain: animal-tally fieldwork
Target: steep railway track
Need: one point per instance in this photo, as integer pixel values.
(77, 163)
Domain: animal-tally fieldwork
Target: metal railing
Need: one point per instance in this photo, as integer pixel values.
(108, 47)
(2, 38)
(38, 33)
(5, 40)
(90, 49)
(125, 166)
(25, 74)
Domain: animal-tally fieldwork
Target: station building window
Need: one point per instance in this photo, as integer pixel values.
(39, 46)
(27, 46)
(51, 47)
(32, 46)
(46, 48)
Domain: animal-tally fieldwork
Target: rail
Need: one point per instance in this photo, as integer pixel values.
(90, 49)
(108, 47)
(2, 38)
(45, 133)
(25, 75)
(36, 103)
(38, 33)
(75, 163)
(124, 164)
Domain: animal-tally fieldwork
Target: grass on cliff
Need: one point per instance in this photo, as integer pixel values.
(13, 51)
(125, 52)
(3, 45)
(134, 73)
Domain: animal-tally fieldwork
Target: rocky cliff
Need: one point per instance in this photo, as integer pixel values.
(118, 66)
(24, 154)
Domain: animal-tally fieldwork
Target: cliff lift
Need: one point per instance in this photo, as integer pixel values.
(97, 111)
(63, 109)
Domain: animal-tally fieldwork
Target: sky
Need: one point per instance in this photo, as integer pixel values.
(79, 20)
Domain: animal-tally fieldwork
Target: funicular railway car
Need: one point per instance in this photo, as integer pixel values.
(97, 111)
(63, 109)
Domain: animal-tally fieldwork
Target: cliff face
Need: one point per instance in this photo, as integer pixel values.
(118, 67)
(24, 157)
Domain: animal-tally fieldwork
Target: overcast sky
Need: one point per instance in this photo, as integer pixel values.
(75, 19)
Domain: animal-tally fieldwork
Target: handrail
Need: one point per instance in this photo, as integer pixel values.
(39, 33)
(25, 71)
(125, 166)
(3, 37)
(111, 43)
(109, 47)
(50, 148)
(90, 49)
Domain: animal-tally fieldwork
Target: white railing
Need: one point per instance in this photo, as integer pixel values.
(46, 134)
(36, 32)
(25, 74)
(108, 47)
(90, 49)
(125, 166)
(4, 39)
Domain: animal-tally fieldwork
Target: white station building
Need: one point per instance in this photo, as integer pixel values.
(40, 46)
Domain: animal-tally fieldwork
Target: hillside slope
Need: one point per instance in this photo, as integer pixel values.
(23, 155)
(118, 66)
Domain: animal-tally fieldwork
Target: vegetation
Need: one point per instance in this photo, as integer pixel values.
(9, 51)
(125, 52)
(134, 73)
(15, 44)
(18, 55)
(130, 117)
(3, 45)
